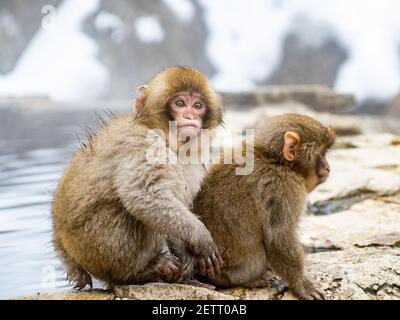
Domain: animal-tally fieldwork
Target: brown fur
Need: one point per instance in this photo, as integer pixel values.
(114, 214)
(168, 83)
(253, 218)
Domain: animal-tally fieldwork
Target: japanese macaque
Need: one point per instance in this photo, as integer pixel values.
(254, 218)
(123, 220)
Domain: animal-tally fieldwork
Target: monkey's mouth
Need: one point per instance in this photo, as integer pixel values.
(189, 123)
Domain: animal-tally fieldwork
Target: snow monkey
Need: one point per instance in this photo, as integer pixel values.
(123, 220)
(254, 218)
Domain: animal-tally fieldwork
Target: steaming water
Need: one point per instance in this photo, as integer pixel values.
(28, 263)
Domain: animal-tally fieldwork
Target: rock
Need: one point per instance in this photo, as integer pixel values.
(394, 107)
(357, 274)
(371, 168)
(368, 223)
(306, 59)
(163, 291)
(353, 274)
(132, 60)
(317, 97)
(70, 295)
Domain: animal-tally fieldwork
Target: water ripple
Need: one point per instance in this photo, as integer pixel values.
(27, 259)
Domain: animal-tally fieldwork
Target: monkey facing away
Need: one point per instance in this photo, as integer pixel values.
(123, 220)
(254, 218)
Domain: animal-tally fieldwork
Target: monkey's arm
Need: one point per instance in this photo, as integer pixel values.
(284, 251)
(155, 195)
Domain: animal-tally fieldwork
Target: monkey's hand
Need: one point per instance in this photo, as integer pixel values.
(209, 261)
(305, 289)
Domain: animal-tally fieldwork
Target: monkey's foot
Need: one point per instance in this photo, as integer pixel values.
(260, 282)
(168, 267)
(197, 283)
(80, 278)
(307, 291)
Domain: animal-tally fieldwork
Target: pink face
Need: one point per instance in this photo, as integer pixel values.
(323, 168)
(188, 110)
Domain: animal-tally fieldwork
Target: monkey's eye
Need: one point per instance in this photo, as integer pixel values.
(179, 103)
(198, 105)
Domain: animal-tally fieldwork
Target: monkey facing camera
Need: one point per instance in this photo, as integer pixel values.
(123, 220)
(253, 218)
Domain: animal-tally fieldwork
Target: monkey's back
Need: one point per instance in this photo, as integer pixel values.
(235, 208)
(224, 202)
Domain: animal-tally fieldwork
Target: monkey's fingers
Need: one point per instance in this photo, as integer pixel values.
(174, 259)
(176, 272)
(218, 255)
(202, 266)
(167, 273)
(210, 269)
(176, 267)
(318, 295)
(216, 264)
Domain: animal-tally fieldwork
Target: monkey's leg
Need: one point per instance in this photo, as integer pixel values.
(287, 262)
(268, 280)
(75, 273)
(249, 271)
(259, 282)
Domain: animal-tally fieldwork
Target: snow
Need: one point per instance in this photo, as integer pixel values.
(245, 40)
(60, 62)
(108, 22)
(245, 44)
(183, 9)
(247, 37)
(148, 29)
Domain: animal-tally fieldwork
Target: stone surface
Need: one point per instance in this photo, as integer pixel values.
(369, 165)
(69, 295)
(394, 107)
(162, 291)
(352, 274)
(368, 223)
(317, 97)
(132, 61)
(357, 274)
(321, 55)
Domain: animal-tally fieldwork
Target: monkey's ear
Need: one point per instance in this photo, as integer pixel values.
(141, 94)
(291, 147)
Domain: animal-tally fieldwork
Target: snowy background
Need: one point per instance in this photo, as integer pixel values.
(96, 50)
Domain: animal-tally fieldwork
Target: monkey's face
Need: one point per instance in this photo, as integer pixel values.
(323, 168)
(311, 163)
(188, 110)
(319, 173)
